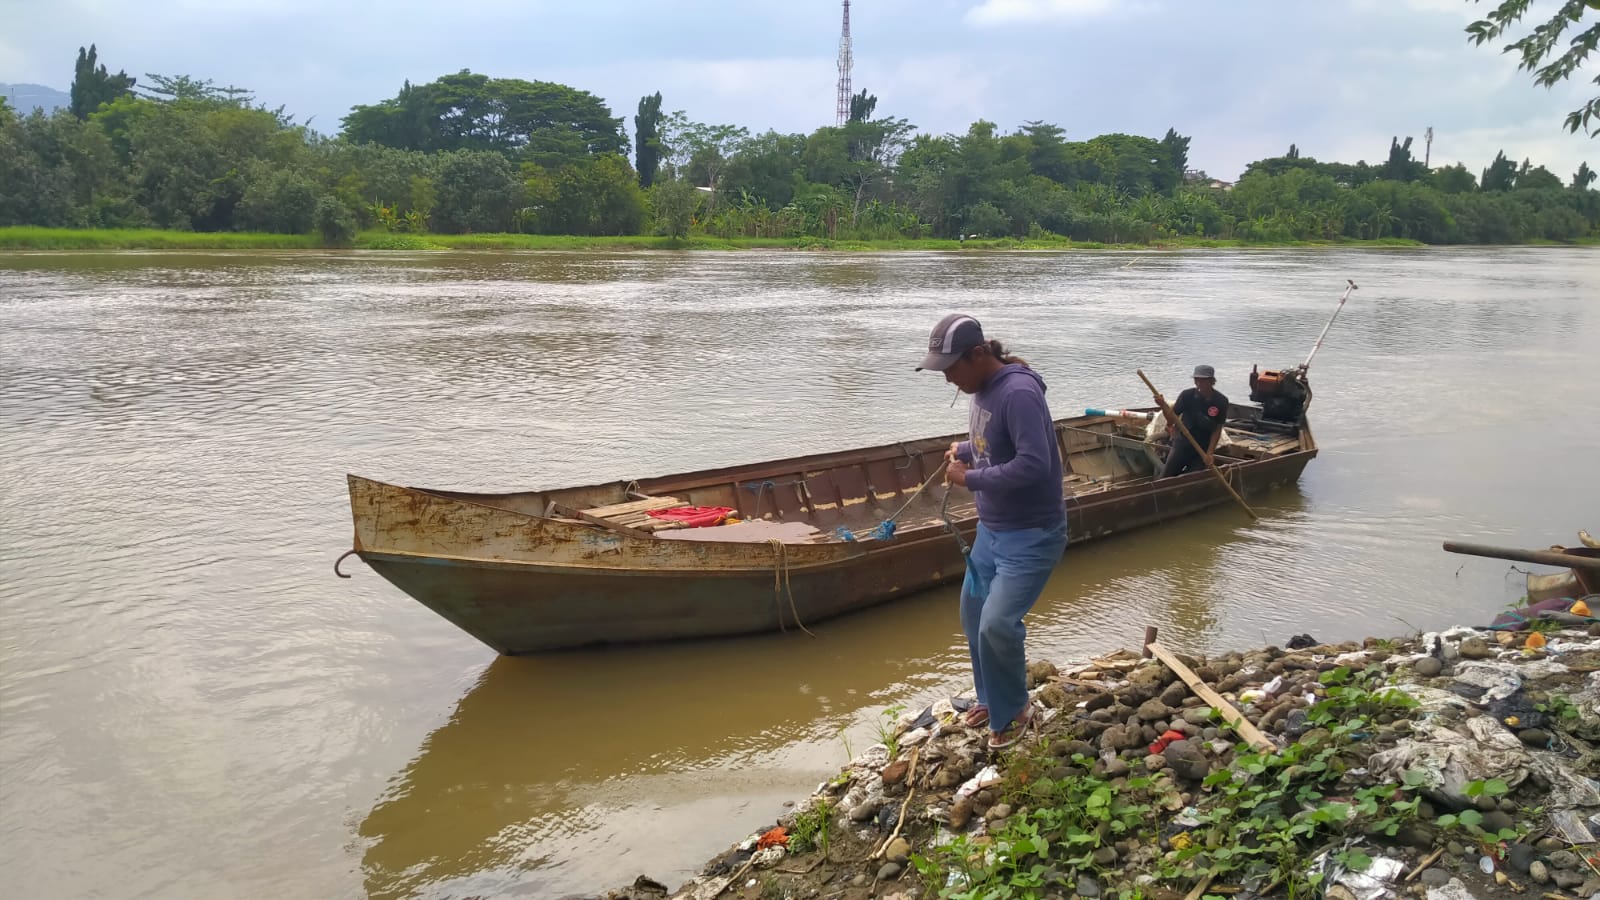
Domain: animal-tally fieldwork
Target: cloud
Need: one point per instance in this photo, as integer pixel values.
(1009, 12)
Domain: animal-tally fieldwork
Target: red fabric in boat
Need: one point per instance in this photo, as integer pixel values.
(693, 516)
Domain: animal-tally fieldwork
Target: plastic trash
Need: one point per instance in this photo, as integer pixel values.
(988, 776)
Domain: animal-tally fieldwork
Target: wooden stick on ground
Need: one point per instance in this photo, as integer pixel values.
(1430, 860)
(911, 788)
(1173, 418)
(1202, 690)
(1199, 889)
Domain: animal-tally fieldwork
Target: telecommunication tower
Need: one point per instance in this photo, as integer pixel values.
(843, 106)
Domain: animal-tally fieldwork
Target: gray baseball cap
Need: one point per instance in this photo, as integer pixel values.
(953, 336)
(1205, 372)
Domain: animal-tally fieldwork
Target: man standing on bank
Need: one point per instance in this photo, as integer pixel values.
(1203, 409)
(1012, 466)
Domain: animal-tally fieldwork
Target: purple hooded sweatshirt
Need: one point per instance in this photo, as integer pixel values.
(1016, 463)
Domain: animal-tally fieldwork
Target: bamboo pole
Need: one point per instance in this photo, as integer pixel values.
(1167, 408)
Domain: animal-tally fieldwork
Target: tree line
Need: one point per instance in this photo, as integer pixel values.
(468, 153)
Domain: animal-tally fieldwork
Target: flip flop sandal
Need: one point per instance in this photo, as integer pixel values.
(999, 740)
(976, 717)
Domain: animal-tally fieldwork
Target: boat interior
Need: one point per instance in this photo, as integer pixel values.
(850, 495)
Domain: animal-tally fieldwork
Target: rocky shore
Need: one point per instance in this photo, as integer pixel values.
(1447, 765)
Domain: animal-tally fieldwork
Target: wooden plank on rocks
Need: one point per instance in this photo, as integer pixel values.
(1202, 690)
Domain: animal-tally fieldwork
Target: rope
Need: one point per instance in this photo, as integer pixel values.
(944, 513)
(885, 529)
(780, 568)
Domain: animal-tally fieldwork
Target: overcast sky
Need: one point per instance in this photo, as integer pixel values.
(1243, 78)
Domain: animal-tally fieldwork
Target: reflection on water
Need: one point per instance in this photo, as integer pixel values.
(191, 705)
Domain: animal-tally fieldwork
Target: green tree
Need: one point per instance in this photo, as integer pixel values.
(1400, 166)
(477, 192)
(1582, 178)
(647, 139)
(862, 106)
(1537, 46)
(183, 88)
(1177, 147)
(334, 222)
(598, 196)
(537, 121)
(92, 85)
(283, 201)
(766, 166)
(1456, 179)
(1537, 178)
(1501, 174)
(674, 203)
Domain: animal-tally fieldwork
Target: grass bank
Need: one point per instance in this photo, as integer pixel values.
(32, 238)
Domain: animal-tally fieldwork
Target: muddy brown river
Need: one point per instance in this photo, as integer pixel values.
(192, 705)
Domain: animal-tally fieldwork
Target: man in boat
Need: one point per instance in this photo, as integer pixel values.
(1012, 465)
(1203, 410)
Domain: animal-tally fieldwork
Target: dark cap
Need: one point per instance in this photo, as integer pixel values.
(953, 336)
(1205, 372)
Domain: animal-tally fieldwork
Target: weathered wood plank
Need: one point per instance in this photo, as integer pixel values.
(603, 522)
(635, 506)
(1202, 690)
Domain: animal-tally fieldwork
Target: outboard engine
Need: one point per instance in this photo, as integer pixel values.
(1283, 395)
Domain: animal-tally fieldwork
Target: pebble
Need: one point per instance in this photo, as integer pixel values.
(1475, 648)
(1534, 737)
(889, 870)
(1427, 667)
(1152, 710)
(1486, 803)
(898, 851)
(1105, 856)
(1435, 877)
(1592, 886)
(1188, 760)
(895, 771)
(1549, 845)
(1454, 848)
(1155, 762)
(998, 811)
(1197, 715)
(1088, 887)
(865, 811)
(960, 814)
(1539, 873)
(1520, 856)
(858, 881)
(1562, 859)
(1497, 821)
(1566, 880)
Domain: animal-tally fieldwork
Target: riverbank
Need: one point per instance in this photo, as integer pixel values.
(1448, 765)
(30, 238)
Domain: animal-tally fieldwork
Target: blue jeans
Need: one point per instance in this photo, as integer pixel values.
(1005, 575)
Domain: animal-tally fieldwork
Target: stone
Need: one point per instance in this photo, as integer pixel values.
(1535, 738)
(889, 870)
(947, 778)
(1497, 821)
(1069, 749)
(898, 851)
(1591, 886)
(1520, 856)
(859, 881)
(960, 814)
(895, 772)
(1509, 805)
(1175, 694)
(1566, 880)
(1155, 762)
(1454, 848)
(1040, 672)
(1088, 887)
(1151, 710)
(1116, 768)
(1563, 859)
(1548, 845)
(1539, 873)
(1197, 715)
(866, 810)
(1099, 701)
(1486, 803)
(1105, 856)
(998, 811)
(1475, 648)
(1210, 734)
(1296, 723)
(1434, 877)
(1427, 667)
(1416, 835)
(1188, 760)
(1594, 630)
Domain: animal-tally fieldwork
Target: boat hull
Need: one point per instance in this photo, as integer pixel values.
(525, 584)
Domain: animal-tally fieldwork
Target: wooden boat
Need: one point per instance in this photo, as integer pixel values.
(570, 567)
